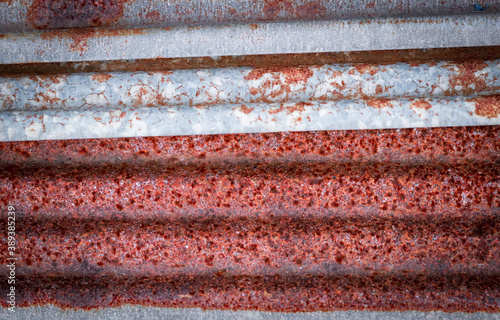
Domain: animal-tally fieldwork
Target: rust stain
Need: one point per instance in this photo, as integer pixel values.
(469, 78)
(154, 15)
(420, 104)
(415, 57)
(101, 77)
(468, 144)
(277, 110)
(488, 107)
(379, 103)
(365, 68)
(298, 107)
(245, 109)
(253, 26)
(277, 81)
(344, 220)
(59, 14)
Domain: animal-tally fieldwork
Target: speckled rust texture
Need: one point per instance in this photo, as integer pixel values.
(336, 220)
(59, 14)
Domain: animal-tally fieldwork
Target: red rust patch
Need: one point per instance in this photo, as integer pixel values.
(59, 14)
(379, 103)
(371, 5)
(101, 77)
(467, 79)
(488, 107)
(420, 104)
(278, 81)
(154, 16)
(365, 68)
(299, 107)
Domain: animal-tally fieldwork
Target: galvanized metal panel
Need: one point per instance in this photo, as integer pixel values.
(400, 219)
(243, 100)
(263, 38)
(25, 15)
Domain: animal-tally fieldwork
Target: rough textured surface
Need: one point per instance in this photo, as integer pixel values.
(313, 221)
(44, 14)
(54, 14)
(250, 39)
(243, 100)
(205, 87)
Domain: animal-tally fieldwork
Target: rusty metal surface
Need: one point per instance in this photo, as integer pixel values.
(154, 313)
(250, 39)
(270, 220)
(17, 15)
(314, 221)
(243, 100)
(413, 56)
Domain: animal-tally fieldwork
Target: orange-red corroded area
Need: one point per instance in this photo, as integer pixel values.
(336, 220)
(488, 107)
(59, 14)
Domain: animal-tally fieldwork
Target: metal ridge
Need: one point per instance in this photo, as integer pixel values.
(243, 100)
(379, 57)
(24, 15)
(260, 159)
(261, 38)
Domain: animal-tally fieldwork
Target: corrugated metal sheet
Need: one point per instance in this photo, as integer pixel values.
(230, 183)
(377, 220)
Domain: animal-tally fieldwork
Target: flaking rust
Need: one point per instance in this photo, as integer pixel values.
(60, 14)
(313, 221)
